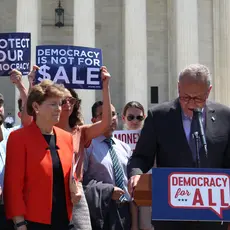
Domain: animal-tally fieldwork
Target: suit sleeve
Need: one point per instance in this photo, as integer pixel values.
(14, 176)
(227, 154)
(143, 156)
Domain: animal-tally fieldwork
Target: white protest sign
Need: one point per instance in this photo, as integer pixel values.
(130, 137)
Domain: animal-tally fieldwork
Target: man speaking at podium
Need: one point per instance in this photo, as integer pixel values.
(166, 136)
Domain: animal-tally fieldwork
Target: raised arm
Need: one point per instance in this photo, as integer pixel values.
(99, 128)
(16, 79)
(26, 119)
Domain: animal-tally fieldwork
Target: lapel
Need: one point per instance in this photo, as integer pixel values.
(210, 121)
(38, 139)
(209, 131)
(64, 148)
(182, 142)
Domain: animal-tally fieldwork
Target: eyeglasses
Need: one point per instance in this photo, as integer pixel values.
(131, 117)
(187, 99)
(71, 100)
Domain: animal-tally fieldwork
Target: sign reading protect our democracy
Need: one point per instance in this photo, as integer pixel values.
(191, 194)
(75, 67)
(130, 137)
(15, 51)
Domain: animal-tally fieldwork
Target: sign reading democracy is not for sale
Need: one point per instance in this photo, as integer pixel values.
(74, 66)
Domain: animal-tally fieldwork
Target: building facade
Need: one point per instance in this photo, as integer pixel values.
(145, 43)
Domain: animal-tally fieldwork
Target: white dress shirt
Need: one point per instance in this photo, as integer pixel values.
(98, 164)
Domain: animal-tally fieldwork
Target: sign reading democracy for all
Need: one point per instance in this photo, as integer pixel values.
(15, 51)
(75, 67)
(191, 194)
(130, 137)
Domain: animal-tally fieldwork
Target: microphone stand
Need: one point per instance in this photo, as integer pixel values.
(197, 140)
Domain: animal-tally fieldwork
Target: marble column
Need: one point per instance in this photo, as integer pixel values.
(135, 51)
(221, 38)
(28, 19)
(84, 35)
(182, 39)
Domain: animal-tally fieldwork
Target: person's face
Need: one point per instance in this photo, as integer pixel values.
(192, 94)
(49, 111)
(133, 118)
(68, 103)
(114, 119)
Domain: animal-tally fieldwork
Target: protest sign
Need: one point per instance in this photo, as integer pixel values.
(15, 51)
(75, 67)
(130, 137)
(187, 194)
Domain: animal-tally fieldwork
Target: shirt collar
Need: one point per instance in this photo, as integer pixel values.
(185, 117)
(102, 138)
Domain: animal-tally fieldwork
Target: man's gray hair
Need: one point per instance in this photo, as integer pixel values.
(196, 72)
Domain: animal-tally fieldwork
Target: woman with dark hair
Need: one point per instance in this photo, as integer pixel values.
(75, 117)
(71, 120)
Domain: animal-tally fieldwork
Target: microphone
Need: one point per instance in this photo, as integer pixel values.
(197, 114)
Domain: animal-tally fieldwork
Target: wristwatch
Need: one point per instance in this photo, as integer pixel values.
(19, 224)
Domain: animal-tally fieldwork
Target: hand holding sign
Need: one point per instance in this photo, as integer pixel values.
(105, 76)
(15, 77)
(32, 74)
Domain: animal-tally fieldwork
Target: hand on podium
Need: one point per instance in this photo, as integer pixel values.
(133, 183)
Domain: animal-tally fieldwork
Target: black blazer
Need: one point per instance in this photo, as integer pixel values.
(163, 137)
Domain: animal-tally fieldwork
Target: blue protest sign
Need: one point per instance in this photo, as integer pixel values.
(14, 53)
(75, 67)
(191, 194)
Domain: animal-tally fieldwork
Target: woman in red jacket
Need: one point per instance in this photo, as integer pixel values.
(38, 162)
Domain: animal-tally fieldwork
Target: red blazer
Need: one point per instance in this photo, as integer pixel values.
(28, 173)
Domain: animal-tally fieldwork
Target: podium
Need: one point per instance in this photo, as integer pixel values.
(186, 194)
(143, 191)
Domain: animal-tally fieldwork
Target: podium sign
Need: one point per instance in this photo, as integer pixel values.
(191, 194)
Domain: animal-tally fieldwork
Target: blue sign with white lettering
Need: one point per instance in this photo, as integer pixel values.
(184, 194)
(75, 67)
(15, 49)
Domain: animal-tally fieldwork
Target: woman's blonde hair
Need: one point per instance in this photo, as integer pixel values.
(41, 92)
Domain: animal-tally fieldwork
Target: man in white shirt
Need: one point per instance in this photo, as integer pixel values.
(106, 163)
(4, 133)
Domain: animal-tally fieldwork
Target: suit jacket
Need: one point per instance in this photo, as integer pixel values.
(103, 210)
(28, 173)
(163, 137)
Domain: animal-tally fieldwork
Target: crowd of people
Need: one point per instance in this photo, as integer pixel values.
(57, 173)
(39, 155)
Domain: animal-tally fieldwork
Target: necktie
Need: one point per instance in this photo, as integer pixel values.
(118, 173)
(192, 140)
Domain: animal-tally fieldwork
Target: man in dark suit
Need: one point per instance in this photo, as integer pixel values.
(166, 136)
